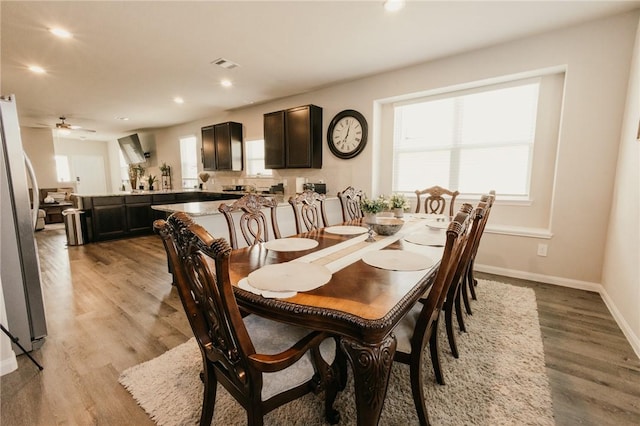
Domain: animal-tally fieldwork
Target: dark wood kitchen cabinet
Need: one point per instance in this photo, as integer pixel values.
(139, 214)
(222, 147)
(108, 217)
(293, 138)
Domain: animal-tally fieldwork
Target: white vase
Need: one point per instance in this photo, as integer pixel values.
(370, 217)
(398, 212)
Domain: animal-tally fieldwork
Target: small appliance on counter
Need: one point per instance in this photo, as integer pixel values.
(320, 188)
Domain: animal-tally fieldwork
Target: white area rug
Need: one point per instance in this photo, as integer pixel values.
(499, 379)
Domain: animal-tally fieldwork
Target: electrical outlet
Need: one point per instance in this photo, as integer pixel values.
(542, 250)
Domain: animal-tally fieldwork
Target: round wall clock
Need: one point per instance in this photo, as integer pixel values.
(347, 134)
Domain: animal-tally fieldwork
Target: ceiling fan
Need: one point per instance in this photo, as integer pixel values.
(64, 126)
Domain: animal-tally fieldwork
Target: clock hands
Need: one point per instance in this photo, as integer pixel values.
(344, 141)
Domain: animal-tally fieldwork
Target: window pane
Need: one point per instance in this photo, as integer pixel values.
(413, 169)
(427, 124)
(255, 158)
(497, 168)
(62, 168)
(506, 115)
(189, 162)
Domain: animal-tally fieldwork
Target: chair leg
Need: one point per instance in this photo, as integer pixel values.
(341, 366)
(434, 349)
(208, 376)
(336, 379)
(417, 387)
(465, 299)
(448, 321)
(471, 281)
(331, 414)
(459, 315)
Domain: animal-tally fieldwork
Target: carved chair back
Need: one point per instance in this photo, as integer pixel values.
(350, 202)
(437, 199)
(208, 299)
(420, 325)
(253, 222)
(200, 265)
(454, 293)
(470, 282)
(309, 209)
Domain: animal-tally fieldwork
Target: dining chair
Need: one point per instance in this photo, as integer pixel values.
(470, 282)
(253, 222)
(454, 294)
(263, 364)
(420, 325)
(350, 202)
(436, 200)
(309, 209)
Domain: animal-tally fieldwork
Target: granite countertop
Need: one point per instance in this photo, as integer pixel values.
(196, 208)
(145, 192)
(205, 208)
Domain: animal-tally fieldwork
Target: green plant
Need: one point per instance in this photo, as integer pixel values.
(136, 170)
(373, 205)
(151, 180)
(398, 201)
(164, 168)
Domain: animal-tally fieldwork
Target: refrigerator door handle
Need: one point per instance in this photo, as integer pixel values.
(35, 189)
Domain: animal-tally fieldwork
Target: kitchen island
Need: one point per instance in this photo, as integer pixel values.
(128, 214)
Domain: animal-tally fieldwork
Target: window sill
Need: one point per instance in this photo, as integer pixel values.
(520, 231)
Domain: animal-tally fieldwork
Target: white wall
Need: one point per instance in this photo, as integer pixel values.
(597, 59)
(38, 145)
(621, 276)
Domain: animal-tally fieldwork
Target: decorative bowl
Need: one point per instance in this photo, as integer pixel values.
(387, 225)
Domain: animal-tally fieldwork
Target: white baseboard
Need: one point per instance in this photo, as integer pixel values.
(9, 364)
(633, 340)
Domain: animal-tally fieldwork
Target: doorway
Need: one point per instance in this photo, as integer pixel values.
(88, 171)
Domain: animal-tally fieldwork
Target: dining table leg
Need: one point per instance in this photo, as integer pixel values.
(371, 365)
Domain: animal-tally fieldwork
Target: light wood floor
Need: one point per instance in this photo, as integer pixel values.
(111, 306)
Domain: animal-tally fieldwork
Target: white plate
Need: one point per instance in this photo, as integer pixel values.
(290, 276)
(397, 260)
(291, 244)
(345, 230)
(438, 224)
(244, 284)
(427, 238)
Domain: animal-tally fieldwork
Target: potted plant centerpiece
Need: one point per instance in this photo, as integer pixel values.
(371, 207)
(399, 204)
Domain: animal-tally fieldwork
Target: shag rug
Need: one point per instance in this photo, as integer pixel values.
(499, 379)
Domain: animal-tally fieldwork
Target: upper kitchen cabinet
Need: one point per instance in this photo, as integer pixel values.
(293, 138)
(222, 147)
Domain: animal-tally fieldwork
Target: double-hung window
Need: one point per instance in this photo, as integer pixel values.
(189, 162)
(470, 141)
(255, 158)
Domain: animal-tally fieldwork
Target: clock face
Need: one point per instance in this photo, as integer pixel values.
(347, 134)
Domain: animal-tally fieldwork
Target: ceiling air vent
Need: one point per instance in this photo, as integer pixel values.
(224, 63)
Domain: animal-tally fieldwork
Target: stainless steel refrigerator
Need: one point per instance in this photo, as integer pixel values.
(20, 265)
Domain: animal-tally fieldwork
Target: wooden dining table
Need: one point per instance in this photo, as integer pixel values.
(361, 303)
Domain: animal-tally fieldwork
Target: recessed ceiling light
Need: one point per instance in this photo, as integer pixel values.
(122, 118)
(393, 5)
(60, 32)
(226, 83)
(36, 69)
(178, 100)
